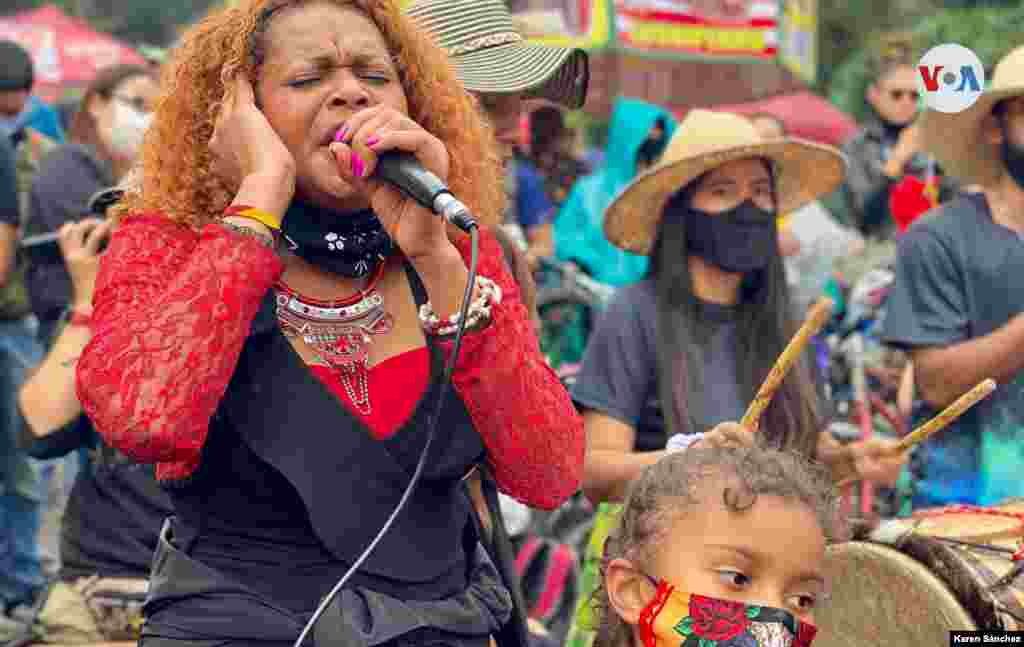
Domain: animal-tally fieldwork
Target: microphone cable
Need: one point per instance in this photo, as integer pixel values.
(449, 368)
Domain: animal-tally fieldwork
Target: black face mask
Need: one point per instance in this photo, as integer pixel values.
(1013, 158)
(351, 245)
(738, 241)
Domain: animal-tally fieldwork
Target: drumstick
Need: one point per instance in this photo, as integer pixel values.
(938, 423)
(941, 421)
(816, 320)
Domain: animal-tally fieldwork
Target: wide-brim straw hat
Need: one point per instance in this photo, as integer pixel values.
(955, 139)
(702, 142)
(492, 57)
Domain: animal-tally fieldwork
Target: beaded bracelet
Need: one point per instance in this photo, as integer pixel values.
(478, 314)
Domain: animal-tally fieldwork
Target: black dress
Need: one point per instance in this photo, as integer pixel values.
(277, 511)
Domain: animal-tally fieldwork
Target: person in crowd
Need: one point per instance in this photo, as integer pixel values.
(686, 348)
(216, 328)
(677, 356)
(887, 151)
(719, 546)
(114, 513)
(956, 303)
(637, 134)
(529, 213)
(20, 572)
(495, 63)
(24, 482)
(104, 139)
(19, 108)
(818, 239)
(10, 214)
(553, 152)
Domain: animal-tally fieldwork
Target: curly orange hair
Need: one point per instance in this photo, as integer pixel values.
(178, 179)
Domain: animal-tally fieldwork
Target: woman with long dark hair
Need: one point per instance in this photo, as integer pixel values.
(680, 354)
(703, 329)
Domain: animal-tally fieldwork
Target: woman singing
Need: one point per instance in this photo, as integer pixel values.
(272, 333)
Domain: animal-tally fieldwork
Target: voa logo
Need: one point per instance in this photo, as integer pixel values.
(950, 78)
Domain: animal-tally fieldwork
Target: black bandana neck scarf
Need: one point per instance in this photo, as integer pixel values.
(351, 245)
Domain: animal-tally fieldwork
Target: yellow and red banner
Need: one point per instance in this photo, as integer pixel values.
(708, 29)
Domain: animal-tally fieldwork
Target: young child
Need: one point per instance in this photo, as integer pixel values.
(718, 547)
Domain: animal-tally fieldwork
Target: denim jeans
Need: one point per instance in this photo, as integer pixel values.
(23, 481)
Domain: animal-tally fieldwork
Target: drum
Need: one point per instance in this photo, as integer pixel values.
(912, 581)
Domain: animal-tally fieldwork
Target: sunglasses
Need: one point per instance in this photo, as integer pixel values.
(899, 95)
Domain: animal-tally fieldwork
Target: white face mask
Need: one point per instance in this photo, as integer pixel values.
(127, 128)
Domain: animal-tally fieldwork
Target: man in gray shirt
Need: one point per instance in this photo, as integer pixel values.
(957, 303)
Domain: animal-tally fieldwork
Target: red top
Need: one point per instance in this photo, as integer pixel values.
(394, 385)
(173, 308)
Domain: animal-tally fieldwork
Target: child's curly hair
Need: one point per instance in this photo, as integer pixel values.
(177, 166)
(680, 480)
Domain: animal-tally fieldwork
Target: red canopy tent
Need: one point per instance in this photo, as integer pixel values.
(805, 114)
(66, 51)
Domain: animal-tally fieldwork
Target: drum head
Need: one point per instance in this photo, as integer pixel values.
(881, 597)
(968, 526)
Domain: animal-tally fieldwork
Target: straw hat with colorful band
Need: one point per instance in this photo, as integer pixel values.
(491, 56)
(955, 139)
(704, 141)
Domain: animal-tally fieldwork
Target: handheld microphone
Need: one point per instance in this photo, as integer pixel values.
(403, 171)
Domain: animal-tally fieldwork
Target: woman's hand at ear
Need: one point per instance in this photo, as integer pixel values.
(250, 155)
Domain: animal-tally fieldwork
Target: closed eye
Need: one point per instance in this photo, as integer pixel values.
(304, 82)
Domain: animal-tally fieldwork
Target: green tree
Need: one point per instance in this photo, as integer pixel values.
(846, 26)
(990, 31)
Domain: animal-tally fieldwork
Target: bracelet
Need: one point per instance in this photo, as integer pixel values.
(478, 314)
(270, 221)
(269, 243)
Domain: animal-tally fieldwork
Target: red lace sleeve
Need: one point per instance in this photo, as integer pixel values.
(171, 312)
(533, 433)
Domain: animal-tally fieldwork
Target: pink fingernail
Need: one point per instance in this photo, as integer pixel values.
(340, 135)
(372, 141)
(357, 165)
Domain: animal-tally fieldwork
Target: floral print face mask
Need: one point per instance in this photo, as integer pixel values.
(677, 619)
